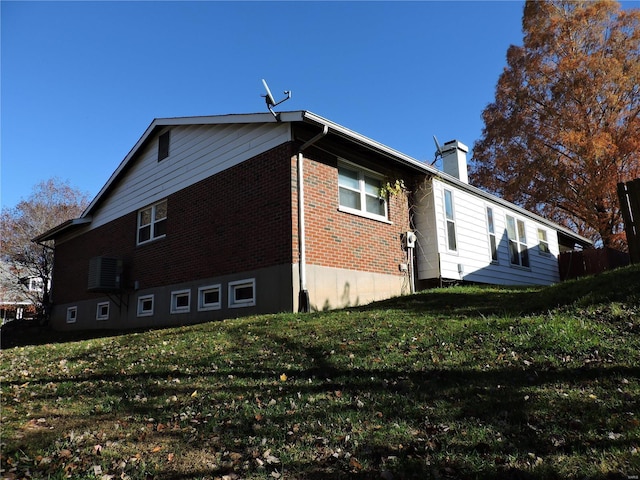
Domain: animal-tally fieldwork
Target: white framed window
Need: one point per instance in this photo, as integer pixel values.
(102, 311)
(209, 298)
(36, 284)
(242, 293)
(145, 305)
(72, 314)
(518, 250)
(359, 192)
(452, 244)
(543, 243)
(181, 301)
(491, 231)
(152, 222)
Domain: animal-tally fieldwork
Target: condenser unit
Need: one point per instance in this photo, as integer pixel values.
(104, 274)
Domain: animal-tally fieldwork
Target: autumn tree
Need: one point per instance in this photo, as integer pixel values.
(51, 203)
(564, 128)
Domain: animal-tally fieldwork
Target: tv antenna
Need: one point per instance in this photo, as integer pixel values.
(438, 150)
(270, 100)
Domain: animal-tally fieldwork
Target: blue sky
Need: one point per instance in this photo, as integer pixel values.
(81, 81)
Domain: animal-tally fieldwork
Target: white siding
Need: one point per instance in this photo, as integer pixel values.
(195, 153)
(473, 256)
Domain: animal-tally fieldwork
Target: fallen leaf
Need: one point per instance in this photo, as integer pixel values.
(156, 449)
(355, 464)
(170, 457)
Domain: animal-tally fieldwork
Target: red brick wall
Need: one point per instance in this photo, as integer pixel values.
(237, 220)
(343, 240)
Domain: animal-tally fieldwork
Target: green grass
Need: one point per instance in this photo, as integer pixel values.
(465, 382)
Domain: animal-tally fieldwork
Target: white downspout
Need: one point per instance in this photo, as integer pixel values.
(303, 296)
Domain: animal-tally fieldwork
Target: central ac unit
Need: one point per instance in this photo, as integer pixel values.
(104, 274)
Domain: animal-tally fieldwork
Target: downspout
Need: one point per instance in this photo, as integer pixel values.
(303, 295)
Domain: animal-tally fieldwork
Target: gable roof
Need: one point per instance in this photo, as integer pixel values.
(299, 116)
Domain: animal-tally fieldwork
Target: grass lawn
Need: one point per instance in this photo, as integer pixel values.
(461, 383)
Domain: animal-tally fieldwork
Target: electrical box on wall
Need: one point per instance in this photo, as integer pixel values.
(104, 274)
(408, 240)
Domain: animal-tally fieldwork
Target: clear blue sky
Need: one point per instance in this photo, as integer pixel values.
(81, 81)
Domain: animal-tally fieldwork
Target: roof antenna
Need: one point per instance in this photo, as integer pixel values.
(438, 150)
(271, 102)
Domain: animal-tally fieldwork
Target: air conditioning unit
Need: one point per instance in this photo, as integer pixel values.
(104, 274)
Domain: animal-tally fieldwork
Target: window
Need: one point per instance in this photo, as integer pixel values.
(518, 251)
(491, 229)
(36, 284)
(359, 193)
(163, 145)
(242, 293)
(145, 305)
(102, 311)
(209, 298)
(181, 301)
(152, 222)
(72, 314)
(543, 243)
(452, 245)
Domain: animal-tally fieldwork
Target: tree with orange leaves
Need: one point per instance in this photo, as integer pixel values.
(565, 125)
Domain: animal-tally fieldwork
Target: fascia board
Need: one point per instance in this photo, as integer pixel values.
(63, 227)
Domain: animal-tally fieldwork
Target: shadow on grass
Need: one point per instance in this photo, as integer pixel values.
(427, 422)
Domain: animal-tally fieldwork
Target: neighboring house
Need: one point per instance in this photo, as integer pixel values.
(17, 294)
(206, 218)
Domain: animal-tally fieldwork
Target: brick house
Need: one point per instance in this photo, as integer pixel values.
(206, 218)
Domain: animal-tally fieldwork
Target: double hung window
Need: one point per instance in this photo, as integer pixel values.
(491, 229)
(152, 222)
(518, 251)
(543, 243)
(360, 192)
(452, 244)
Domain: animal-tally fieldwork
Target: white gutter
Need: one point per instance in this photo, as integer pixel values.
(303, 295)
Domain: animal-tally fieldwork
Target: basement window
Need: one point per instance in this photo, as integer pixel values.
(163, 145)
(181, 301)
(72, 314)
(242, 293)
(209, 298)
(152, 222)
(518, 250)
(145, 305)
(102, 311)
(359, 192)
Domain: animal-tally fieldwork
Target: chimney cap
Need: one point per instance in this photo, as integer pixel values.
(455, 144)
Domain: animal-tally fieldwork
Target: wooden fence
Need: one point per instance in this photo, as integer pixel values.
(629, 196)
(578, 263)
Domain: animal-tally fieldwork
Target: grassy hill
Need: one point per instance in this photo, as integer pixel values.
(465, 382)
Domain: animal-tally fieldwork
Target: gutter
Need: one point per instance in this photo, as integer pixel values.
(303, 295)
